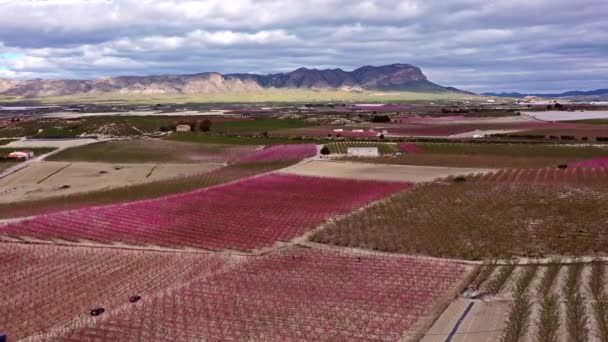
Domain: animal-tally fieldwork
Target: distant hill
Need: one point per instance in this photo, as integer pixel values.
(394, 77)
(576, 93)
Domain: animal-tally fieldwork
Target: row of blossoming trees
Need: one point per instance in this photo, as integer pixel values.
(296, 294)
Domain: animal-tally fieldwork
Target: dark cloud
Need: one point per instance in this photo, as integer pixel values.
(478, 45)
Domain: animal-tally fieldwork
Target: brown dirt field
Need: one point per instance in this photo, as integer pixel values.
(48, 179)
(402, 173)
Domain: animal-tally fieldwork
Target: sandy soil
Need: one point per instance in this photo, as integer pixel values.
(483, 133)
(57, 143)
(380, 172)
(47, 179)
(488, 316)
(567, 116)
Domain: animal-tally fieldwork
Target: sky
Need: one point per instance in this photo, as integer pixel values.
(475, 45)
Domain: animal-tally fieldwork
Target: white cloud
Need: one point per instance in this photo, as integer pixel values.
(476, 44)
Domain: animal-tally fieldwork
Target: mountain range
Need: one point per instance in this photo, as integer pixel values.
(575, 93)
(394, 77)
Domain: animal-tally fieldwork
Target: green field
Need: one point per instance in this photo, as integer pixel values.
(268, 96)
(207, 138)
(6, 141)
(342, 147)
(255, 126)
(153, 151)
(491, 155)
(94, 125)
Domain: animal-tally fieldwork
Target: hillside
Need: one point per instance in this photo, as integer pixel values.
(601, 93)
(395, 77)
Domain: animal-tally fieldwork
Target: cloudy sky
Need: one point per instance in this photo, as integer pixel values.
(476, 45)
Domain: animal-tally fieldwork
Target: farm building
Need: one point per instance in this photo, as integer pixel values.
(183, 128)
(363, 151)
(21, 155)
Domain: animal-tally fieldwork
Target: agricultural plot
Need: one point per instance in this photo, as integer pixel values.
(509, 212)
(572, 132)
(547, 302)
(556, 115)
(446, 129)
(488, 155)
(50, 287)
(364, 171)
(140, 191)
(246, 215)
(601, 162)
(154, 151)
(342, 147)
(298, 294)
(281, 152)
(42, 180)
(327, 131)
(257, 126)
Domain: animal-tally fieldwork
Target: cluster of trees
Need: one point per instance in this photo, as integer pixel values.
(381, 118)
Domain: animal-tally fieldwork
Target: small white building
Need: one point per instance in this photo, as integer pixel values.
(363, 152)
(183, 128)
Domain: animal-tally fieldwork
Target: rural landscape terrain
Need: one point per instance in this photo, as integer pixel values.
(448, 217)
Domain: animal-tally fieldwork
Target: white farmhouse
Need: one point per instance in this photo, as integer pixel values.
(183, 128)
(363, 152)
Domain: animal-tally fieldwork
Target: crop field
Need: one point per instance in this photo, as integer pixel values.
(258, 125)
(535, 302)
(296, 294)
(446, 129)
(489, 155)
(410, 148)
(45, 179)
(281, 152)
(45, 287)
(203, 138)
(342, 147)
(326, 131)
(140, 191)
(601, 162)
(122, 125)
(154, 151)
(509, 212)
(246, 215)
(578, 131)
(366, 171)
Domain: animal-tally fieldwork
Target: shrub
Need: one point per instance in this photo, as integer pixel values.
(381, 118)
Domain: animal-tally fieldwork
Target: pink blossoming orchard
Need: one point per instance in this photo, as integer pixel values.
(245, 215)
(290, 295)
(253, 251)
